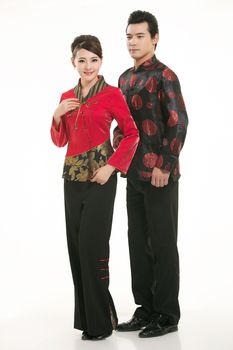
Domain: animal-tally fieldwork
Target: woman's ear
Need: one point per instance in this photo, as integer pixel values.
(72, 61)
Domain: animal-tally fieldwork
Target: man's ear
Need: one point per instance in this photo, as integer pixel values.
(155, 39)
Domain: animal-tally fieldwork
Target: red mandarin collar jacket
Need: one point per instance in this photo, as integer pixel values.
(90, 126)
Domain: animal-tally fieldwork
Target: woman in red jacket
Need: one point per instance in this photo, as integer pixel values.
(83, 120)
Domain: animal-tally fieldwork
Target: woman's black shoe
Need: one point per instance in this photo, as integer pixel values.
(86, 336)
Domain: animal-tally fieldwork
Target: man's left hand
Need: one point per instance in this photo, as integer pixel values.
(159, 177)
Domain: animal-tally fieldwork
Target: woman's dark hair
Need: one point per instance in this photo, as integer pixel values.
(87, 42)
(143, 16)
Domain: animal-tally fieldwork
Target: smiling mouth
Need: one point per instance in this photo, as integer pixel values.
(88, 73)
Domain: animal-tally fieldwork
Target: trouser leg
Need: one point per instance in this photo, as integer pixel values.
(74, 193)
(140, 255)
(162, 217)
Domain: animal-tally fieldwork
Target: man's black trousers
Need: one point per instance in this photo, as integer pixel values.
(152, 234)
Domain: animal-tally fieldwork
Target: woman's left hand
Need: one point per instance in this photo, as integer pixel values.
(102, 174)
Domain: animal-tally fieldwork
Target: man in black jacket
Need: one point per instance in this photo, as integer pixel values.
(153, 94)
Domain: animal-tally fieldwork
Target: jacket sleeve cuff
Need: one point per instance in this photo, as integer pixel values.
(123, 169)
(166, 162)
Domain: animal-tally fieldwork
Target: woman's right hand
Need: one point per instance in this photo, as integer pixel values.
(65, 106)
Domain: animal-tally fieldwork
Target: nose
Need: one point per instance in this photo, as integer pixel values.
(88, 65)
(132, 41)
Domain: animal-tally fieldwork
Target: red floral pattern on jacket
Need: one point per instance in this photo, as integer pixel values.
(153, 94)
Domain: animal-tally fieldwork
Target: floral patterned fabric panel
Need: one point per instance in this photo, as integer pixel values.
(82, 166)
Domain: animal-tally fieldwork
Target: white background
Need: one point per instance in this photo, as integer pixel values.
(196, 42)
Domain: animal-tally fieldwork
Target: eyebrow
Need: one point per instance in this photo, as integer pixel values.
(135, 34)
(84, 58)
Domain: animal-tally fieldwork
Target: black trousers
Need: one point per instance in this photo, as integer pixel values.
(152, 234)
(89, 211)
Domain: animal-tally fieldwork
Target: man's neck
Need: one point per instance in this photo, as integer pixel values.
(141, 60)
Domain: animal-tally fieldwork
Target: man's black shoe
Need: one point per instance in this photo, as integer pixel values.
(86, 336)
(135, 324)
(158, 326)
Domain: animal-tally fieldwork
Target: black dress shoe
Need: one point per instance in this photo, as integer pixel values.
(86, 336)
(158, 326)
(135, 324)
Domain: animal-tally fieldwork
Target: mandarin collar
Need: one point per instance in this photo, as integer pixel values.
(97, 87)
(146, 64)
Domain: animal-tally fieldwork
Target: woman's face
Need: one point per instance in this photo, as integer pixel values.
(87, 64)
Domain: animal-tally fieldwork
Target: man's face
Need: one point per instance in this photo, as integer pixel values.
(139, 42)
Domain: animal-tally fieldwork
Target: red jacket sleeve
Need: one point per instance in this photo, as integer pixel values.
(58, 133)
(123, 156)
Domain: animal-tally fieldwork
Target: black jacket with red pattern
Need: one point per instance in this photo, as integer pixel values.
(154, 97)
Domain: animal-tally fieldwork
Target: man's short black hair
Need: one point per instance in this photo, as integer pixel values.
(143, 16)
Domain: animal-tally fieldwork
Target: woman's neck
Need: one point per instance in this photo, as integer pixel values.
(87, 85)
